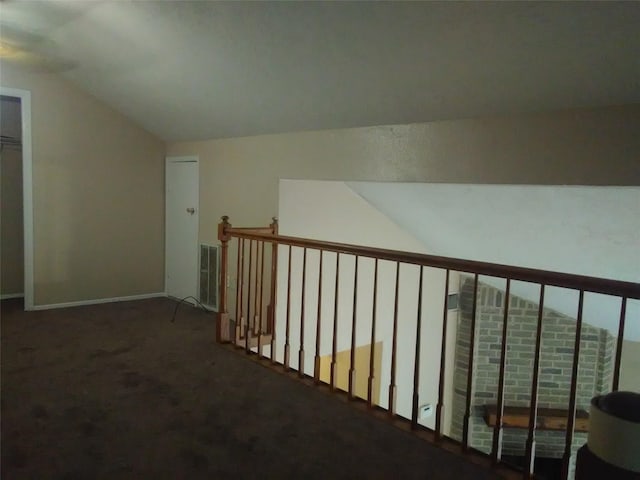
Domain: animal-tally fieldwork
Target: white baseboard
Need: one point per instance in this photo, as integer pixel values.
(99, 300)
(7, 296)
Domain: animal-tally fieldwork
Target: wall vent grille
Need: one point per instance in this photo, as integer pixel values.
(209, 275)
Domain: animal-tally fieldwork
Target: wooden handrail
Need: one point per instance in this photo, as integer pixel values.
(557, 279)
(265, 230)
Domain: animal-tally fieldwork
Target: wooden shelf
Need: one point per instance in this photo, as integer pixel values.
(548, 418)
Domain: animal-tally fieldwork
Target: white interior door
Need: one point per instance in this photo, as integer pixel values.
(181, 223)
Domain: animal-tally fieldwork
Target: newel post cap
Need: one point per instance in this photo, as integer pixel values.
(222, 229)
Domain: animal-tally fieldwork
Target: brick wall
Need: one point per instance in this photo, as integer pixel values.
(558, 337)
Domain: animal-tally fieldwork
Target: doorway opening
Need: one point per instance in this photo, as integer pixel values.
(11, 215)
(16, 174)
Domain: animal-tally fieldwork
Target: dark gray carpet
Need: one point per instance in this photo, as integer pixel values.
(117, 391)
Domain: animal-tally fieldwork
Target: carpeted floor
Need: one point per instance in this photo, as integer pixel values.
(117, 391)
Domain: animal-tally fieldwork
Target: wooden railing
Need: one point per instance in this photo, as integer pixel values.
(256, 321)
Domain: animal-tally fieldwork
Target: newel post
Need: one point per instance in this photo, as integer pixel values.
(223, 325)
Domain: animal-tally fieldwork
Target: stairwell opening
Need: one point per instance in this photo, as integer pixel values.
(595, 372)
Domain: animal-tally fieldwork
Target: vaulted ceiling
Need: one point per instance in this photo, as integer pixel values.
(199, 70)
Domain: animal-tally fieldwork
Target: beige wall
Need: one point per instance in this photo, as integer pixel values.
(98, 183)
(239, 176)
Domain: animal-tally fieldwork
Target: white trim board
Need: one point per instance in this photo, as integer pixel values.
(27, 189)
(97, 301)
(8, 296)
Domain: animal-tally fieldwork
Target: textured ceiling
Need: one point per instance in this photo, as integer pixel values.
(199, 70)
